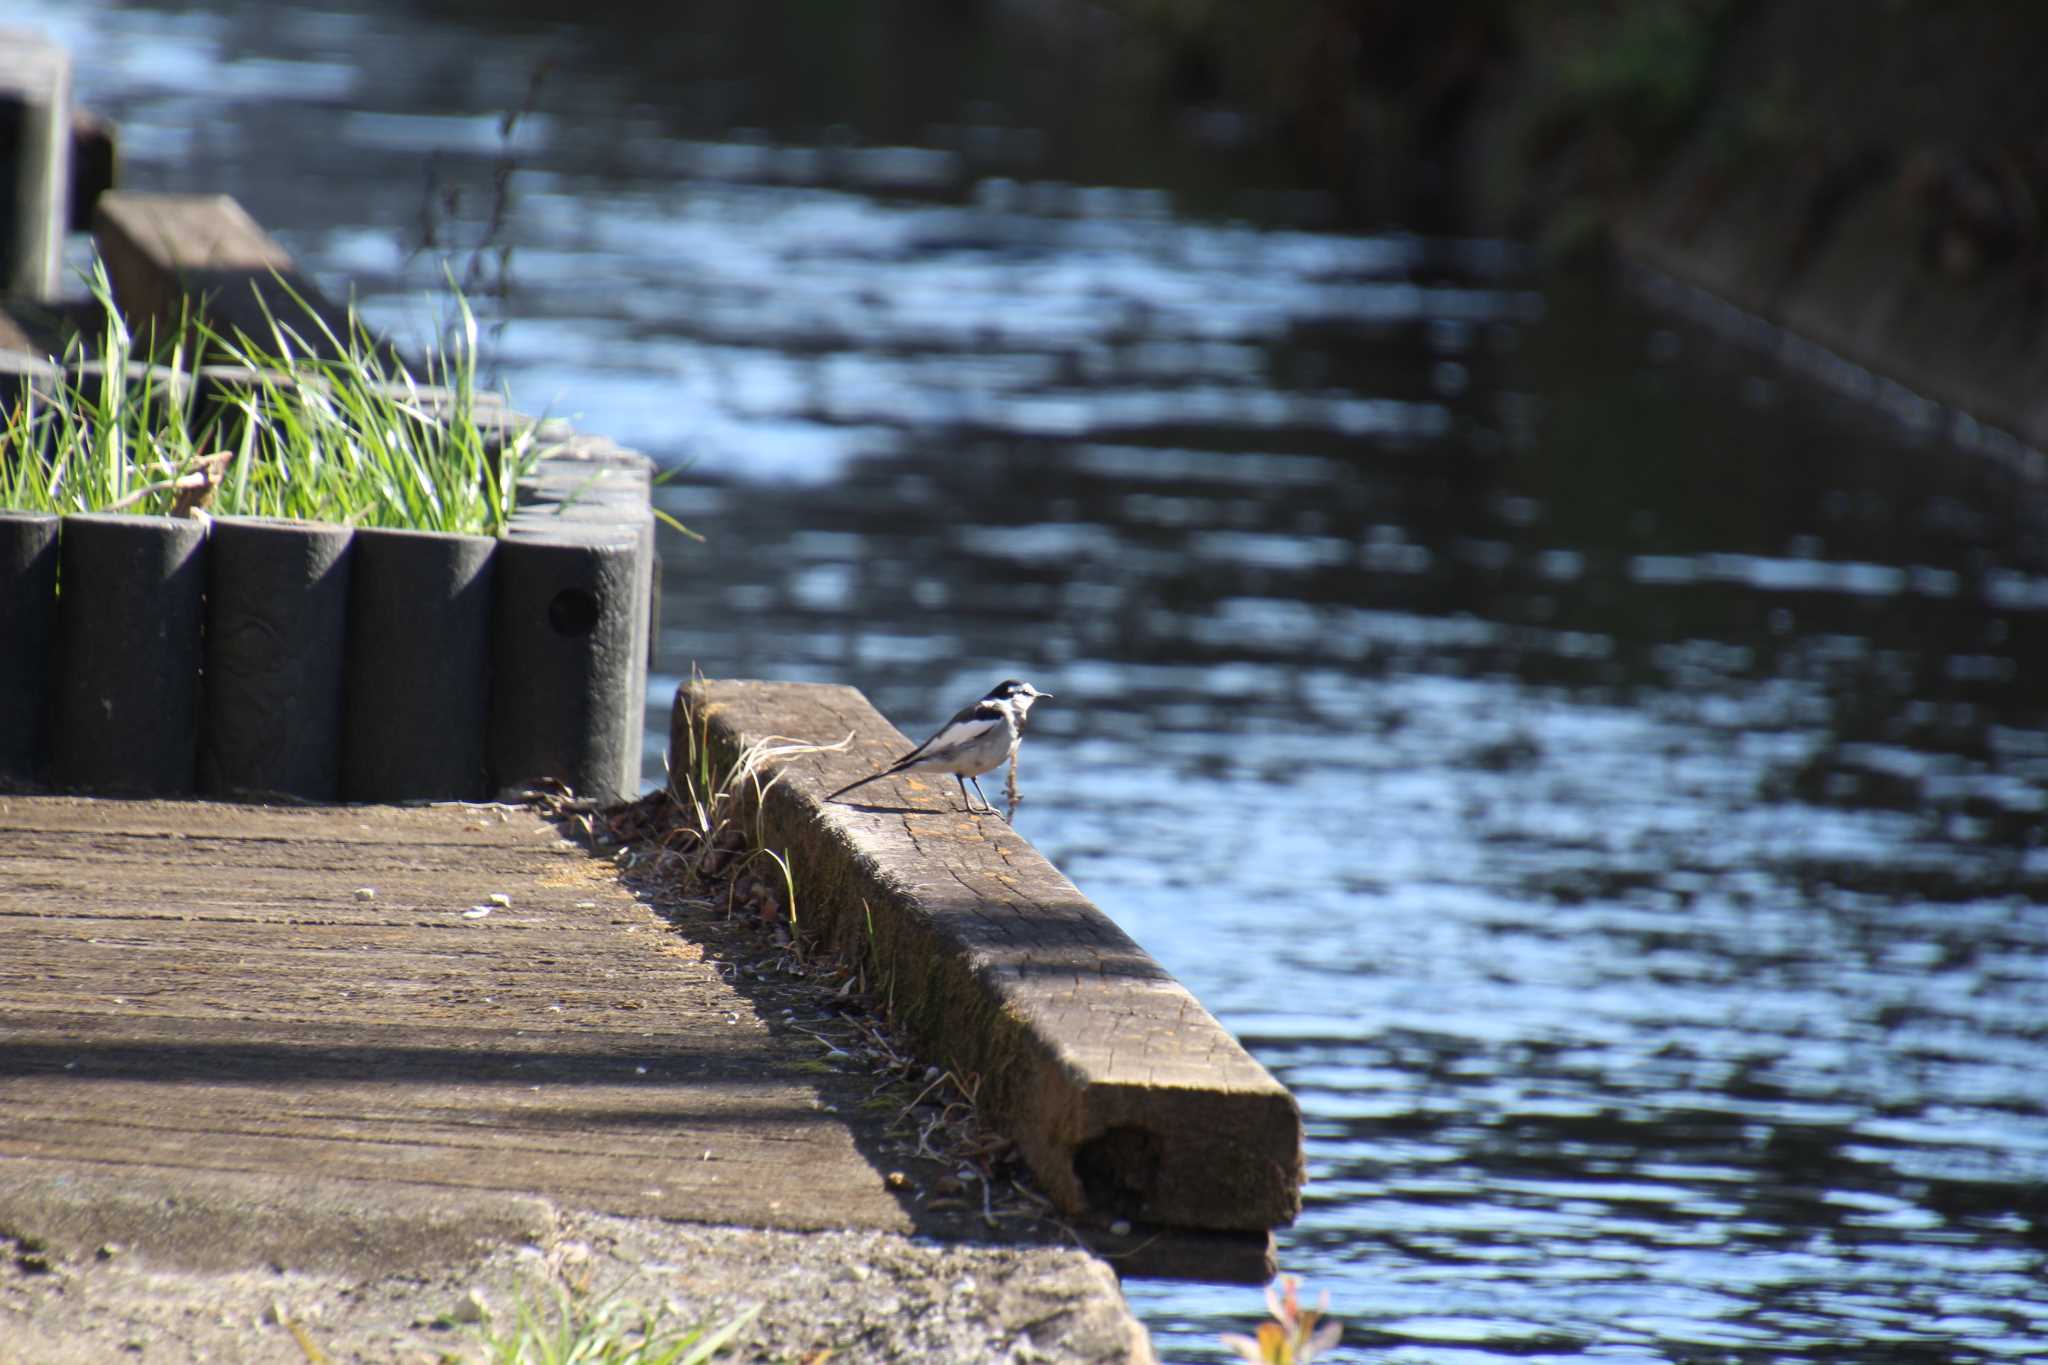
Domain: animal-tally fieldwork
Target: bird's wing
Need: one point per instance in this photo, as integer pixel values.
(970, 725)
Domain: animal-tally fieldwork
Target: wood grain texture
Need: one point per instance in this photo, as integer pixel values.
(1127, 1097)
(163, 249)
(195, 990)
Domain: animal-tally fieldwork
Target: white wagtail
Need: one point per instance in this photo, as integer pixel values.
(980, 739)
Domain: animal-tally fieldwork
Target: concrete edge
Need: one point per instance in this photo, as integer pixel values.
(213, 1221)
(96, 1268)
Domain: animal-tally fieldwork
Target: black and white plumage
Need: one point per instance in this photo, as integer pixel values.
(980, 739)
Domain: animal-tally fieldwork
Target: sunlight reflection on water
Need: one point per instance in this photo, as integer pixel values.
(1614, 808)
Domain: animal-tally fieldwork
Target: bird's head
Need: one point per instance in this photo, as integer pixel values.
(1016, 694)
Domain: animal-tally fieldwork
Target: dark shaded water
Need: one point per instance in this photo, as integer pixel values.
(1601, 772)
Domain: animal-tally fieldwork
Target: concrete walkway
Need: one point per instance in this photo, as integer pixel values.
(367, 1042)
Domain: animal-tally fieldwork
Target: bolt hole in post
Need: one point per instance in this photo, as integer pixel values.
(574, 612)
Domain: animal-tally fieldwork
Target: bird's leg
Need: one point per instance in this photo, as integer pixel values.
(987, 807)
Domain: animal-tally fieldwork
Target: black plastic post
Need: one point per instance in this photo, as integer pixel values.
(126, 691)
(28, 616)
(619, 515)
(276, 620)
(562, 687)
(583, 487)
(417, 693)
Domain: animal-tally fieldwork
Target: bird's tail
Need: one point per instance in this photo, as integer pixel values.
(872, 777)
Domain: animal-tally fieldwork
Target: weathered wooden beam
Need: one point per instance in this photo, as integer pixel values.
(1127, 1098)
(163, 249)
(35, 162)
(487, 1057)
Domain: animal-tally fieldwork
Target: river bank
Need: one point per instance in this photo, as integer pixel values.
(1870, 178)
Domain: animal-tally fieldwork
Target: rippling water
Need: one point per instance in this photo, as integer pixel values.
(1601, 771)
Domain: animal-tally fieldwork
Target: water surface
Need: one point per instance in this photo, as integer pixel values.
(1600, 769)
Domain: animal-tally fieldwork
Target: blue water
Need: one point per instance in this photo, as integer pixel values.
(1590, 749)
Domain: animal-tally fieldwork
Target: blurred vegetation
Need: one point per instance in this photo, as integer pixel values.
(1527, 116)
(1875, 171)
(1373, 98)
(1335, 87)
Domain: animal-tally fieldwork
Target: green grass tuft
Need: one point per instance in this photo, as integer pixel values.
(714, 804)
(309, 423)
(576, 1331)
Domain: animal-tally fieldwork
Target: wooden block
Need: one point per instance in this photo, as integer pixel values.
(35, 155)
(1127, 1098)
(22, 371)
(95, 160)
(162, 249)
(14, 341)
